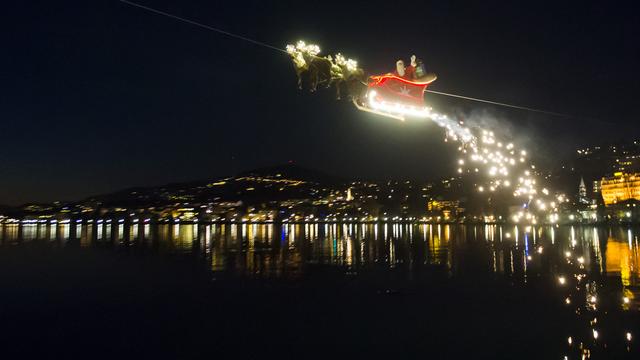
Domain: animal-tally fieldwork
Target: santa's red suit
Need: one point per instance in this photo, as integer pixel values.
(409, 73)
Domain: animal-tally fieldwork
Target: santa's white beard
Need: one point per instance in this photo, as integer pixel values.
(400, 70)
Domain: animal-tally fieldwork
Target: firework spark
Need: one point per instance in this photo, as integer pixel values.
(501, 166)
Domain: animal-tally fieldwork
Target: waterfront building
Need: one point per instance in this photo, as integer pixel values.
(620, 187)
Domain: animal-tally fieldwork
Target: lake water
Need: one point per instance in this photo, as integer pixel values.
(357, 290)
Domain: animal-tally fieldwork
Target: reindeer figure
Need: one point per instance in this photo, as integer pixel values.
(300, 65)
(316, 70)
(319, 71)
(308, 65)
(352, 78)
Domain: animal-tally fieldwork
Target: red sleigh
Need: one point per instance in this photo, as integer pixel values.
(392, 96)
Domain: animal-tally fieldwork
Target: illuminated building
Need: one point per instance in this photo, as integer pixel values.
(445, 208)
(620, 187)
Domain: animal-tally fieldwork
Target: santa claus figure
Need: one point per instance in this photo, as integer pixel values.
(400, 69)
(419, 67)
(409, 72)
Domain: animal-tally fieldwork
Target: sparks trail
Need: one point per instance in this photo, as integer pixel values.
(278, 49)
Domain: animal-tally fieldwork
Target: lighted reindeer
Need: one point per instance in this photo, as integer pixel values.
(350, 78)
(315, 70)
(308, 65)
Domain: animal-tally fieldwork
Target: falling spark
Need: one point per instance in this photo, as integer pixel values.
(503, 165)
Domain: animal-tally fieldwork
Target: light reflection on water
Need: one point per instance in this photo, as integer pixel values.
(511, 250)
(595, 271)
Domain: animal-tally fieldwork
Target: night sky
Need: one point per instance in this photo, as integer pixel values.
(98, 95)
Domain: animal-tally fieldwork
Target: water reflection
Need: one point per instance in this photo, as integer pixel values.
(260, 248)
(593, 271)
(508, 250)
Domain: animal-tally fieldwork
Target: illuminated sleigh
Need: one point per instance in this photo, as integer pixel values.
(392, 96)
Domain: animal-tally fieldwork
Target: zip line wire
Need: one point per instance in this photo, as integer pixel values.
(499, 103)
(256, 42)
(260, 43)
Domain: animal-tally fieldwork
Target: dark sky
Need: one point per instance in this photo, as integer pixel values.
(97, 95)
